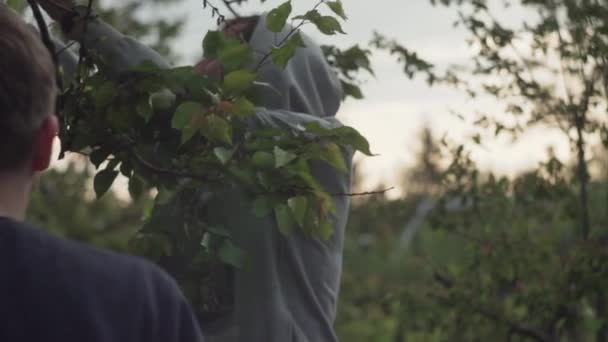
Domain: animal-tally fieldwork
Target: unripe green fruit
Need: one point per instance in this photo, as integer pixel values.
(162, 100)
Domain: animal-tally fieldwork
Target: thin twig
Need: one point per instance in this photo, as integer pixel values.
(518, 328)
(167, 172)
(359, 194)
(48, 42)
(215, 11)
(291, 33)
(83, 50)
(580, 118)
(228, 5)
(69, 45)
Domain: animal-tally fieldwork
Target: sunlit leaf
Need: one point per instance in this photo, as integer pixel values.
(238, 81)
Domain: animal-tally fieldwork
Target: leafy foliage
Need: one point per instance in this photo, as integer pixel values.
(526, 251)
(181, 134)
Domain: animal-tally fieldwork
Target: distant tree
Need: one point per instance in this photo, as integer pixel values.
(534, 246)
(425, 175)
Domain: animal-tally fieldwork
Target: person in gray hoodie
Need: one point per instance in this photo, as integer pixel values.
(289, 292)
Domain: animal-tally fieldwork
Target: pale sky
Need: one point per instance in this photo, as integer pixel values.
(395, 107)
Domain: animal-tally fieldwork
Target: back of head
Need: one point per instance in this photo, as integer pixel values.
(27, 88)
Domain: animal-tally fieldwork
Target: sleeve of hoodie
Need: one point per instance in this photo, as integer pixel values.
(118, 52)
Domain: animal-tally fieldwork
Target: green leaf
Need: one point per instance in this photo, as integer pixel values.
(352, 90)
(283, 157)
(238, 81)
(325, 230)
(263, 206)
(326, 24)
(311, 220)
(164, 196)
(188, 133)
(99, 156)
(235, 56)
(263, 160)
(103, 181)
(299, 207)
(104, 95)
(231, 254)
(17, 5)
(350, 136)
(217, 129)
(223, 154)
(212, 44)
(136, 187)
(244, 107)
(329, 25)
(282, 54)
(244, 176)
(184, 113)
(285, 220)
(336, 7)
(332, 154)
(277, 18)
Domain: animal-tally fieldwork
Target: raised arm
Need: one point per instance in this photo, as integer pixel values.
(117, 52)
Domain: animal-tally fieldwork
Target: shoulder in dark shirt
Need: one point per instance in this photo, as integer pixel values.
(52, 289)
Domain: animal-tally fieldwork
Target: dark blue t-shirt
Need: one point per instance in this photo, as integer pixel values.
(53, 289)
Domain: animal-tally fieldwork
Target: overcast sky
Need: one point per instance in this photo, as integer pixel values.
(395, 107)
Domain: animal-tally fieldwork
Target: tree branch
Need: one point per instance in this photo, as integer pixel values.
(291, 33)
(359, 194)
(48, 42)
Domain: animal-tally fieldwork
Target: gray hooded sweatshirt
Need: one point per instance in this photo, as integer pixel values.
(289, 290)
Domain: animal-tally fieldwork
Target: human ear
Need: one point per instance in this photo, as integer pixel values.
(43, 146)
